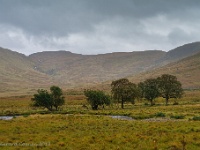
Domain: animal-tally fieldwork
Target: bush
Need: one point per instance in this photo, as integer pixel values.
(160, 114)
(178, 117)
(97, 98)
(196, 118)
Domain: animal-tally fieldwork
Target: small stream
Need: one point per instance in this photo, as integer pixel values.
(118, 117)
(112, 116)
(121, 117)
(6, 117)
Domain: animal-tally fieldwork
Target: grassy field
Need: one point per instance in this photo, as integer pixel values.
(88, 132)
(156, 127)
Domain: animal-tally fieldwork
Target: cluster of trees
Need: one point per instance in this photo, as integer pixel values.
(166, 86)
(122, 90)
(51, 100)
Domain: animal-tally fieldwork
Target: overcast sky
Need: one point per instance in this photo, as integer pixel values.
(98, 26)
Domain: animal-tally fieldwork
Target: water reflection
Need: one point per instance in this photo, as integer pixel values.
(122, 117)
(6, 117)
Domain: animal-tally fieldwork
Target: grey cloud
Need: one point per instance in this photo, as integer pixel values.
(97, 26)
(66, 16)
(177, 35)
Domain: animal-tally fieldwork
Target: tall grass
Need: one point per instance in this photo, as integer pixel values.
(98, 132)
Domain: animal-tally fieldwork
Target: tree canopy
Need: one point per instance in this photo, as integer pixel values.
(49, 100)
(169, 87)
(57, 96)
(166, 86)
(150, 90)
(123, 91)
(97, 98)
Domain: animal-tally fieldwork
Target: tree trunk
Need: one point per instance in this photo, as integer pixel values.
(118, 103)
(167, 100)
(49, 108)
(95, 107)
(122, 104)
(151, 102)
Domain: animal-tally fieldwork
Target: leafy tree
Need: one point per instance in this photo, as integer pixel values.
(170, 87)
(57, 96)
(151, 90)
(141, 89)
(123, 90)
(43, 99)
(96, 98)
(49, 100)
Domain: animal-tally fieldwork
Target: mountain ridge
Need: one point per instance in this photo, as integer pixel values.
(67, 69)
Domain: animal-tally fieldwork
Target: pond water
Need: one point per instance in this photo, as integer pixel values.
(122, 117)
(6, 117)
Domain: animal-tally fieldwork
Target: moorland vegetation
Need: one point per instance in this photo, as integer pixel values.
(173, 127)
(153, 125)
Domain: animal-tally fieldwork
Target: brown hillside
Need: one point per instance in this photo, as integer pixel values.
(17, 73)
(179, 53)
(76, 70)
(187, 71)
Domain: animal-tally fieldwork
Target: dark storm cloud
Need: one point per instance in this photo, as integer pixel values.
(97, 26)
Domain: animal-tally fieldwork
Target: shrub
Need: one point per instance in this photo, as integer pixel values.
(178, 117)
(196, 118)
(160, 114)
(96, 98)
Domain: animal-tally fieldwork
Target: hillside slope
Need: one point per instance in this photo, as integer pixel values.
(180, 52)
(187, 71)
(76, 69)
(184, 51)
(17, 73)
